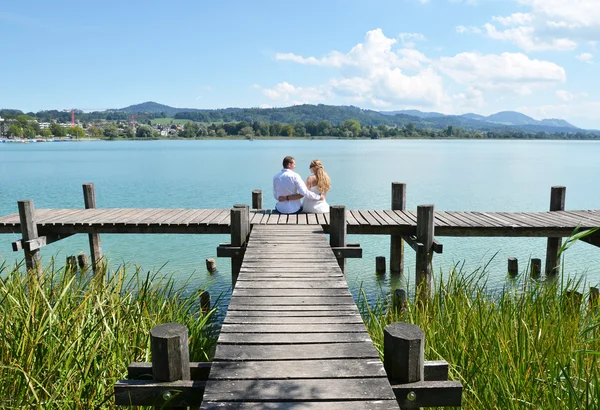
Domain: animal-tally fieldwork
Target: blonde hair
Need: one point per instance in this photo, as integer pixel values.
(323, 181)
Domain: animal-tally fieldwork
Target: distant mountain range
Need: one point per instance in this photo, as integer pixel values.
(505, 120)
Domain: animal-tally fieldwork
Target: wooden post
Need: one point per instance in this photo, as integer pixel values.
(424, 257)
(257, 199)
(513, 267)
(89, 199)
(204, 301)
(380, 264)
(399, 301)
(82, 260)
(536, 268)
(337, 230)
(71, 263)
(239, 234)
(396, 242)
(594, 296)
(211, 265)
(404, 352)
(170, 354)
(557, 203)
(29, 231)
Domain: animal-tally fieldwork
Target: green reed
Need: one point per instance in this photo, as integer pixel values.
(66, 337)
(532, 345)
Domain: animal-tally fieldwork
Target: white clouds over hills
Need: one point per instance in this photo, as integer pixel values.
(381, 73)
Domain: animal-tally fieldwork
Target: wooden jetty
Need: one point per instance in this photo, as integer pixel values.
(417, 228)
(293, 336)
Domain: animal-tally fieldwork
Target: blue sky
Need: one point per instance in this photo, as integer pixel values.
(539, 57)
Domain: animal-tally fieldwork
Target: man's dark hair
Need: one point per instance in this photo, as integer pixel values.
(287, 160)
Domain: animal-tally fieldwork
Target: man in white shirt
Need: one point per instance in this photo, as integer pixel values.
(288, 189)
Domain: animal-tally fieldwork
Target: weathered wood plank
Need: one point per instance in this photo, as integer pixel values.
(285, 292)
(295, 390)
(296, 284)
(290, 320)
(291, 313)
(297, 369)
(307, 405)
(235, 305)
(285, 328)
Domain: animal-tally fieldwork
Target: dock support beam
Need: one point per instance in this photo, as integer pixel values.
(557, 203)
(424, 257)
(396, 242)
(257, 199)
(29, 232)
(240, 228)
(89, 199)
(337, 234)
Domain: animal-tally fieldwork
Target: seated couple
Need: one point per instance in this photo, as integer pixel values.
(289, 189)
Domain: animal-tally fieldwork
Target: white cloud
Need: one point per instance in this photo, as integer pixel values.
(514, 19)
(290, 94)
(585, 57)
(582, 114)
(468, 29)
(525, 37)
(380, 72)
(372, 73)
(409, 39)
(565, 95)
(508, 71)
(547, 25)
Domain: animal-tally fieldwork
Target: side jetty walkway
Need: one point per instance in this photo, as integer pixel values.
(293, 336)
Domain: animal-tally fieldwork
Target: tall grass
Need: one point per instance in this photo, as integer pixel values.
(66, 337)
(526, 347)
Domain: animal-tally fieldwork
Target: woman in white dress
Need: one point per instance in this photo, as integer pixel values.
(318, 183)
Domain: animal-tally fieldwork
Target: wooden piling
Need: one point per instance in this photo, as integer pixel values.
(513, 267)
(404, 352)
(204, 301)
(399, 300)
(257, 200)
(594, 296)
(89, 199)
(424, 254)
(380, 264)
(82, 261)
(536, 268)
(29, 232)
(337, 230)
(239, 234)
(170, 354)
(396, 242)
(557, 203)
(71, 263)
(211, 265)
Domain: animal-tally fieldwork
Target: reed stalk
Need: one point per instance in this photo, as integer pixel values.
(66, 337)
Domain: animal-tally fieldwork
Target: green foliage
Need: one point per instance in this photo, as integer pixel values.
(95, 131)
(46, 133)
(58, 130)
(66, 338)
(15, 130)
(527, 347)
(76, 132)
(144, 131)
(111, 131)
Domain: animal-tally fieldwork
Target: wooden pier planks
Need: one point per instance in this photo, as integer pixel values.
(377, 222)
(293, 336)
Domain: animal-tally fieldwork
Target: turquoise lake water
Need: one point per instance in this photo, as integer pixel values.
(456, 175)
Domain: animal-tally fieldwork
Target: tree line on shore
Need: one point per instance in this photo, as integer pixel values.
(27, 126)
